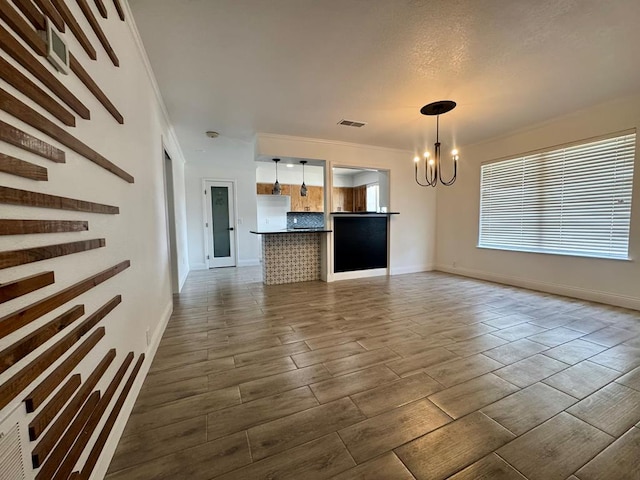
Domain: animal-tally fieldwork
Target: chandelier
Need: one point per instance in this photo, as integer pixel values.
(432, 167)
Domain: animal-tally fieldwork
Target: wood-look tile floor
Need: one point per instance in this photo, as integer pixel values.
(421, 376)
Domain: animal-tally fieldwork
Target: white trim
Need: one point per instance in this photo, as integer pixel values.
(411, 269)
(133, 28)
(102, 465)
(375, 272)
(548, 287)
(254, 262)
(276, 136)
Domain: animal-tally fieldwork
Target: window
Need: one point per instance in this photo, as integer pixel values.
(574, 200)
(372, 197)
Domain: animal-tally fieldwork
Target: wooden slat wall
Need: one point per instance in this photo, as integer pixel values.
(49, 439)
(21, 55)
(13, 196)
(20, 168)
(13, 321)
(14, 258)
(93, 21)
(32, 13)
(66, 411)
(78, 447)
(51, 409)
(23, 84)
(22, 286)
(75, 28)
(23, 140)
(28, 115)
(39, 394)
(25, 227)
(23, 347)
(94, 454)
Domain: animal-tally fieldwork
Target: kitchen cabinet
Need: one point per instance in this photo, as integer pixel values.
(360, 198)
(313, 202)
(342, 199)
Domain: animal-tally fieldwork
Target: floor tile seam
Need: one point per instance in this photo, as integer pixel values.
(612, 437)
(593, 393)
(495, 452)
(603, 345)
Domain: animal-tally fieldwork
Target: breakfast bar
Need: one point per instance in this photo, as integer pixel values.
(291, 255)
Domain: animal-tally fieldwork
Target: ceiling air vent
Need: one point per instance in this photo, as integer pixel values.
(351, 123)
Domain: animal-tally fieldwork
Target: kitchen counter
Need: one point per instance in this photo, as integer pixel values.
(291, 255)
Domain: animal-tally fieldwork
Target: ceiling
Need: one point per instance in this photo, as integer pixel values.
(297, 67)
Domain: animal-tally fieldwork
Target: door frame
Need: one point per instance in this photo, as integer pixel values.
(233, 219)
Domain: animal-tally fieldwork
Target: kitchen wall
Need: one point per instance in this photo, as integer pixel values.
(611, 281)
(266, 173)
(412, 236)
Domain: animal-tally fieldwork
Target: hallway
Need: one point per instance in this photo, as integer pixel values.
(422, 376)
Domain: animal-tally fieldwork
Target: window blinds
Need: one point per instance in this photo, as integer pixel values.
(575, 200)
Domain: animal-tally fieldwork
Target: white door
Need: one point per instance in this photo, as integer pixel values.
(220, 224)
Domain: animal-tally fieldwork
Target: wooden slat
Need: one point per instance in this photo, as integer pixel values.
(13, 258)
(51, 409)
(100, 442)
(25, 141)
(20, 168)
(23, 84)
(49, 10)
(66, 441)
(93, 21)
(101, 8)
(23, 227)
(75, 27)
(22, 28)
(49, 439)
(22, 286)
(48, 385)
(13, 321)
(21, 55)
(34, 15)
(21, 380)
(82, 440)
(82, 74)
(74, 476)
(23, 347)
(28, 115)
(119, 9)
(26, 198)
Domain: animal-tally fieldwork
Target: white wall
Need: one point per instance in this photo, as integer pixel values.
(412, 236)
(610, 281)
(227, 161)
(313, 174)
(138, 233)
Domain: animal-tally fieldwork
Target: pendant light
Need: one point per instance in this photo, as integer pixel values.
(303, 187)
(432, 167)
(276, 186)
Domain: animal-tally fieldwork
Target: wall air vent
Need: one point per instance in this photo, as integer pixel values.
(11, 461)
(351, 123)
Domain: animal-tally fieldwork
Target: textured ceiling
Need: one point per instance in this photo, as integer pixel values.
(297, 67)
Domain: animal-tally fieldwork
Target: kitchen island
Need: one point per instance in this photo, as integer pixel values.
(291, 255)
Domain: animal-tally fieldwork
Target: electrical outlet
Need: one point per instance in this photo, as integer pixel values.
(295, 220)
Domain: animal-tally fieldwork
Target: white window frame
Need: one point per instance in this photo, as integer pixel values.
(560, 200)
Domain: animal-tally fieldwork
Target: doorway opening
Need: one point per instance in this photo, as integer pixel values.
(220, 223)
(171, 222)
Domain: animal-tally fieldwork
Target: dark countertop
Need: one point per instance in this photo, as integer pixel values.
(371, 214)
(290, 230)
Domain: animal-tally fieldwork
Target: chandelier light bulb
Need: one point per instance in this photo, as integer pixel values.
(454, 152)
(432, 162)
(416, 159)
(426, 154)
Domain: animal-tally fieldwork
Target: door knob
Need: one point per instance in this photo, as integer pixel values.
(230, 228)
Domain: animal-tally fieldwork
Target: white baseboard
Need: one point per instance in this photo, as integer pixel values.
(377, 272)
(254, 262)
(198, 266)
(411, 269)
(548, 287)
(182, 280)
(100, 470)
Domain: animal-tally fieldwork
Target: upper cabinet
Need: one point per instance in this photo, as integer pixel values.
(313, 202)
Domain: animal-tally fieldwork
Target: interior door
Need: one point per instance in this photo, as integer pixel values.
(220, 225)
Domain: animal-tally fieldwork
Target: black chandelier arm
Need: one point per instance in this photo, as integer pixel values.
(453, 179)
(430, 183)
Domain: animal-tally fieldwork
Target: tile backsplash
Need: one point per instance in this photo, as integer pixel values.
(305, 219)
